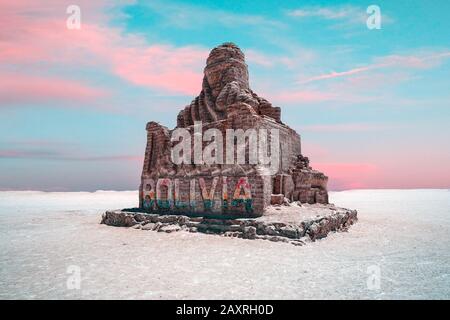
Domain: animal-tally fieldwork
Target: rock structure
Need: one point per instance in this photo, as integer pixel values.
(295, 229)
(226, 190)
(225, 82)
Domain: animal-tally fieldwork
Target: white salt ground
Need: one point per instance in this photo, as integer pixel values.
(402, 235)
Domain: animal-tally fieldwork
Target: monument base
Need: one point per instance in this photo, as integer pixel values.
(295, 223)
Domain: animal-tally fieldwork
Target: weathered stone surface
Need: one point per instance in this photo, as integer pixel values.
(249, 233)
(291, 226)
(225, 82)
(170, 228)
(148, 226)
(289, 232)
(276, 199)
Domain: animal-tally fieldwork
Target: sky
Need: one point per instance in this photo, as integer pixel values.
(372, 106)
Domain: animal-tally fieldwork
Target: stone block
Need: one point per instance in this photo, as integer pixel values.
(277, 199)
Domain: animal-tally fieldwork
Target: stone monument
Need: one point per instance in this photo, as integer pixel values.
(232, 167)
(225, 102)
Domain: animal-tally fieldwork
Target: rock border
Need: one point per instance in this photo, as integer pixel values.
(298, 234)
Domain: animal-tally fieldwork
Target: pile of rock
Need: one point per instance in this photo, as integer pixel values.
(295, 232)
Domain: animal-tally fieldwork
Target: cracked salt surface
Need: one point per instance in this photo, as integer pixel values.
(404, 233)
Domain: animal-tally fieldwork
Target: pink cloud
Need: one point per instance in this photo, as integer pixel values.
(43, 39)
(392, 163)
(348, 175)
(22, 88)
(345, 127)
(162, 67)
(302, 96)
(313, 150)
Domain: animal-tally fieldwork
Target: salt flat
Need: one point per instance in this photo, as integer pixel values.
(402, 234)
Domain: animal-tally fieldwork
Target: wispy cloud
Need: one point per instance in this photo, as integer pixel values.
(347, 127)
(303, 96)
(334, 74)
(56, 155)
(299, 57)
(329, 13)
(56, 150)
(391, 61)
(344, 14)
